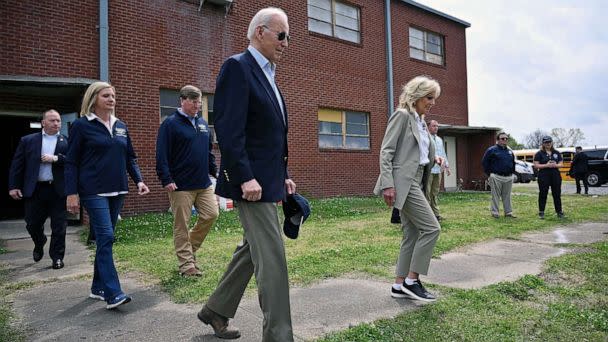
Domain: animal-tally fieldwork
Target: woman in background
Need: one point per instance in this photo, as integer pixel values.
(548, 161)
(99, 156)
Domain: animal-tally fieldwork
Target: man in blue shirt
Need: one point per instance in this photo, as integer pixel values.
(36, 176)
(184, 162)
(434, 180)
(499, 164)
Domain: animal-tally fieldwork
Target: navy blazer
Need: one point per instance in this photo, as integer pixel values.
(250, 130)
(24, 170)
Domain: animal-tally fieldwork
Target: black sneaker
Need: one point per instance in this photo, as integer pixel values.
(541, 215)
(560, 215)
(417, 291)
(399, 293)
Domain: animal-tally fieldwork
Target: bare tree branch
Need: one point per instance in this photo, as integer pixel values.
(534, 139)
(567, 138)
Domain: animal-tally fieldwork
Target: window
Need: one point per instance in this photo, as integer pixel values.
(343, 129)
(426, 46)
(169, 102)
(595, 154)
(333, 18)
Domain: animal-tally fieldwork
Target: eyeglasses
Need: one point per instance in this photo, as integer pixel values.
(503, 138)
(280, 35)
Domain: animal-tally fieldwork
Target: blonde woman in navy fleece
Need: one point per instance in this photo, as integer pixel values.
(99, 156)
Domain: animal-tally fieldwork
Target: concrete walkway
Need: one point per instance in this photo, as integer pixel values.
(58, 308)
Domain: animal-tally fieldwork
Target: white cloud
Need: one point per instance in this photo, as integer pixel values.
(536, 64)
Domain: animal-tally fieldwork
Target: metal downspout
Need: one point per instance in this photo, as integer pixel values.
(389, 56)
(104, 59)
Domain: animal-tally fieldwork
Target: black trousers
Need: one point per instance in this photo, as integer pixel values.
(581, 177)
(45, 202)
(553, 180)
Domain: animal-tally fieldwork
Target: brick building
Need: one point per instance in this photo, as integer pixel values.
(334, 76)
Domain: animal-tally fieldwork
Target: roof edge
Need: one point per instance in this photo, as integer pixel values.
(46, 80)
(439, 13)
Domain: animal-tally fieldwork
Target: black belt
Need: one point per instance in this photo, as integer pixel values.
(503, 174)
(49, 182)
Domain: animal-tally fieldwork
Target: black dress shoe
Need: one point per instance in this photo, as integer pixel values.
(57, 264)
(218, 322)
(38, 252)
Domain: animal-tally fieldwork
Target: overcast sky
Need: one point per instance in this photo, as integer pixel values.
(536, 64)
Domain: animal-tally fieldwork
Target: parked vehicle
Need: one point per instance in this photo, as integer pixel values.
(598, 165)
(524, 172)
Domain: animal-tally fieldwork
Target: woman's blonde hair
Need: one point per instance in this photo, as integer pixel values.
(415, 89)
(90, 97)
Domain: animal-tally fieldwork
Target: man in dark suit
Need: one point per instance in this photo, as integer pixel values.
(251, 127)
(36, 176)
(579, 168)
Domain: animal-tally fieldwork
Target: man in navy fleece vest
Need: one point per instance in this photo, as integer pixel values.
(184, 162)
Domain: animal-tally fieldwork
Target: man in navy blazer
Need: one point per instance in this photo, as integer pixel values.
(36, 176)
(251, 127)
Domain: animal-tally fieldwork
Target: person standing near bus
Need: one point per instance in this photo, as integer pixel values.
(548, 161)
(579, 168)
(499, 164)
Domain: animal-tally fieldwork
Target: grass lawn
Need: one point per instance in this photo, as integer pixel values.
(342, 236)
(567, 302)
(8, 331)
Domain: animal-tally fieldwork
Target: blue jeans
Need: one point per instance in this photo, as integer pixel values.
(103, 214)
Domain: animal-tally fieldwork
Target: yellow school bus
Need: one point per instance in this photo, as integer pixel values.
(567, 154)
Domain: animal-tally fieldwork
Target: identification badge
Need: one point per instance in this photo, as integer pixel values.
(120, 132)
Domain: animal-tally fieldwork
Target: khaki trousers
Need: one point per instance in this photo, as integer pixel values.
(420, 231)
(501, 190)
(188, 242)
(432, 191)
(262, 253)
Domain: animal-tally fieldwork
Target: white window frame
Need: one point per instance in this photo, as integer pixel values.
(427, 55)
(336, 27)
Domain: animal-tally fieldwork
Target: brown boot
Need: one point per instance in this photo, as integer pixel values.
(191, 272)
(218, 322)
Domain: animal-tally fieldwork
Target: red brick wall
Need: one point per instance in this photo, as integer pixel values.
(452, 106)
(167, 44)
(49, 38)
(322, 72)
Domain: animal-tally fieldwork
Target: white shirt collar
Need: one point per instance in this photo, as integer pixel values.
(181, 111)
(45, 134)
(263, 62)
(91, 116)
(416, 115)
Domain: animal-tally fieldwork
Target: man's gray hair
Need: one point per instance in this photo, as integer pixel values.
(263, 17)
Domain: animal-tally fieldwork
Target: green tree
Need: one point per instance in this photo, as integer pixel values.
(513, 144)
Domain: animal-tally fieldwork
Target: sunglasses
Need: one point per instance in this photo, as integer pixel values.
(280, 35)
(503, 138)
